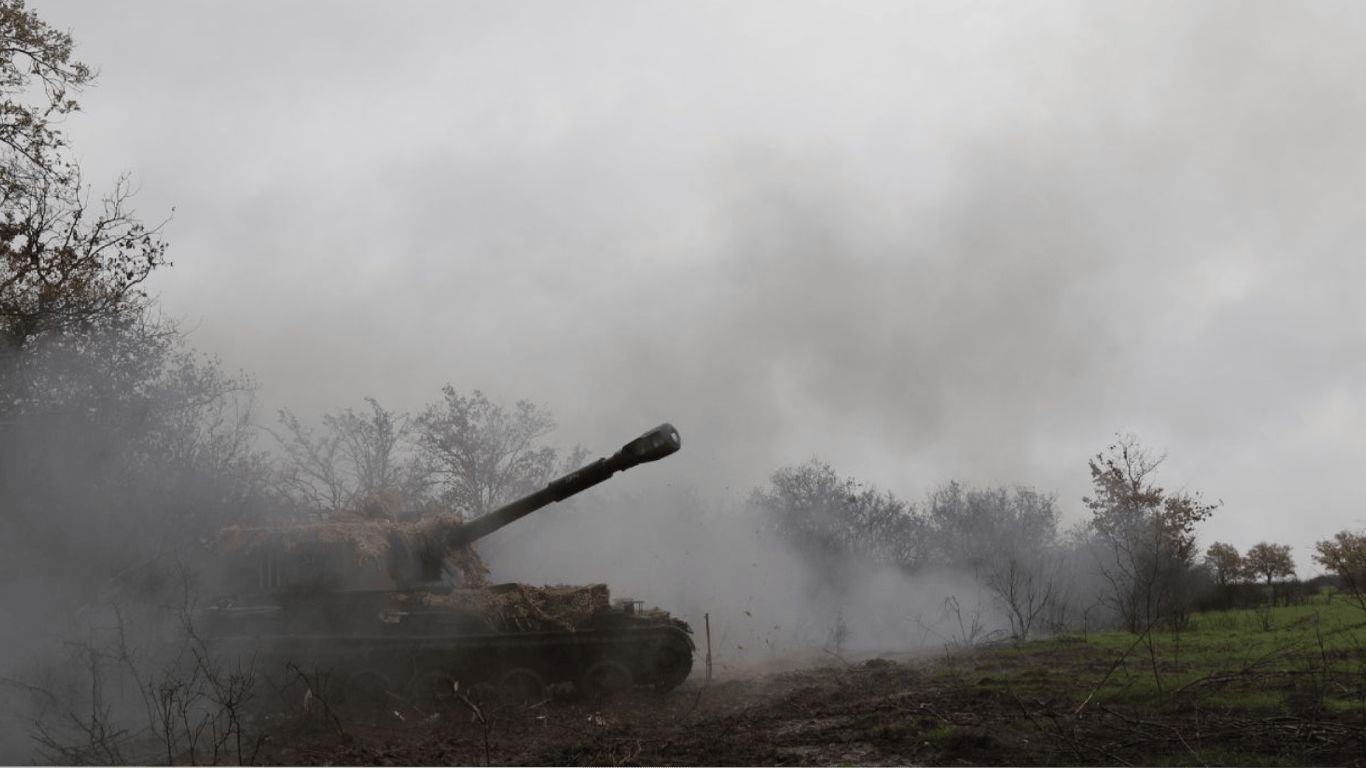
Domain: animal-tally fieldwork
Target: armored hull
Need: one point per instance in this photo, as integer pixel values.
(515, 640)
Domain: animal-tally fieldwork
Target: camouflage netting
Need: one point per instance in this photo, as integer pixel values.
(387, 504)
(373, 540)
(521, 607)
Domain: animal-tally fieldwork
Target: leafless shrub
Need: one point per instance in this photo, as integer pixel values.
(958, 629)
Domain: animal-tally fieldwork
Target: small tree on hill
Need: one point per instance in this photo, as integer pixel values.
(1225, 567)
(1345, 555)
(1224, 563)
(1269, 561)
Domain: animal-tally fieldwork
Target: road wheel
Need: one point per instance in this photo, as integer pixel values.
(605, 678)
(521, 686)
(670, 663)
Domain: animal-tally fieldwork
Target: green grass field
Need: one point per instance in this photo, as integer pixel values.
(1283, 659)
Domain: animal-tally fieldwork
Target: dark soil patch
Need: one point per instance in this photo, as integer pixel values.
(874, 713)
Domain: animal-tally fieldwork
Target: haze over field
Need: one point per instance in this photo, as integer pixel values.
(921, 241)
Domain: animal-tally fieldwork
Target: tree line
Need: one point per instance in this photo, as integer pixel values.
(1134, 563)
(462, 453)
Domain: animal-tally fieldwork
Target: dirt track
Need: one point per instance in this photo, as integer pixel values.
(875, 712)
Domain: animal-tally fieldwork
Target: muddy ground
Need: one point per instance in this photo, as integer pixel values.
(873, 712)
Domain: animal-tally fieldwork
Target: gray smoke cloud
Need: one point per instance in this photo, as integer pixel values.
(709, 562)
(925, 242)
(922, 241)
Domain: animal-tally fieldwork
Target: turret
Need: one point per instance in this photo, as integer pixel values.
(342, 553)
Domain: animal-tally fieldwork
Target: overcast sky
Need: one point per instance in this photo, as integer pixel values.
(922, 241)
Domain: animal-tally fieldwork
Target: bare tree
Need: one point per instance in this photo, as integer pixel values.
(70, 271)
(839, 527)
(481, 455)
(373, 445)
(969, 525)
(1008, 537)
(361, 462)
(119, 447)
(830, 519)
(65, 265)
(1148, 536)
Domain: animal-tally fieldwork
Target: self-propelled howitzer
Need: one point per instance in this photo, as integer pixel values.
(411, 636)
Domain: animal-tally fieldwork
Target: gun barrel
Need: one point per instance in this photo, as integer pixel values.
(651, 446)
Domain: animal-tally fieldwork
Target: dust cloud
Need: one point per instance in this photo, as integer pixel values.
(700, 558)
